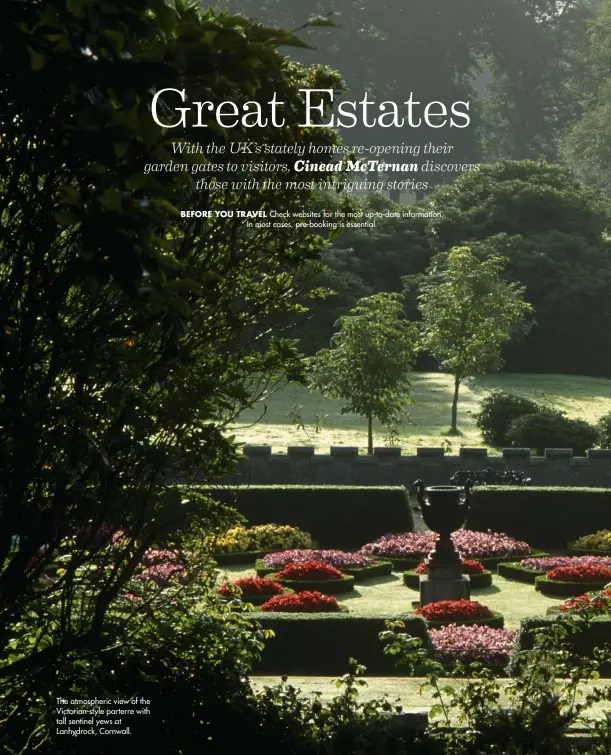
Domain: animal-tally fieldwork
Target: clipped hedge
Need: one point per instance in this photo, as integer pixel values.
(337, 516)
(586, 551)
(559, 588)
(496, 621)
(378, 569)
(478, 581)
(597, 634)
(513, 570)
(547, 517)
(320, 644)
(489, 562)
(325, 586)
(233, 559)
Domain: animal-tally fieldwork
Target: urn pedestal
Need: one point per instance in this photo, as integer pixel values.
(444, 510)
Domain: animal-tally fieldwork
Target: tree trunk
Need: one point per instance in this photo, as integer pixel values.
(370, 434)
(454, 427)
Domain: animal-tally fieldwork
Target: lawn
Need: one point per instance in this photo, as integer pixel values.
(515, 600)
(428, 417)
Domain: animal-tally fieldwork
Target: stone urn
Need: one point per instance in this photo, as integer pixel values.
(444, 510)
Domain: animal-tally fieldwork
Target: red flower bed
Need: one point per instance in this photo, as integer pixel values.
(580, 573)
(302, 602)
(253, 587)
(596, 603)
(454, 610)
(314, 571)
(468, 567)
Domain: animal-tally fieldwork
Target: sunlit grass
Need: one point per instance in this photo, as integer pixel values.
(428, 418)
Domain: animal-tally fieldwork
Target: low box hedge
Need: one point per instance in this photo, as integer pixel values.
(231, 559)
(489, 562)
(586, 551)
(562, 589)
(496, 621)
(378, 569)
(546, 517)
(337, 516)
(597, 634)
(321, 644)
(325, 586)
(513, 570)
(478, 581)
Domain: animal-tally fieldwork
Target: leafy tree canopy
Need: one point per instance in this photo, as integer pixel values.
(369, 360)
(468, 312)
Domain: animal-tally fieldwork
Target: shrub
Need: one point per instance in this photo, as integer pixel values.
(303, 602)
(580, 573)
(309, 571)
(252, 587)
(272, 537)
(468, 643)
(260, 538)
(592, 603)
(454, 610)
(550, 429)
(235, 540)
(597, 541)
(603, 428)
(470, 543)
(468, 567)
(490, 476)
(337, 558)
(497, 412)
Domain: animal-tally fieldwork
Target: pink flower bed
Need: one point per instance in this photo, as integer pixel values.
(336, 558)
(472, 643)
(470, 543)
(547, 563)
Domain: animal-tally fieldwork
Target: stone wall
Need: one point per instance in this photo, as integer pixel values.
(388, 466)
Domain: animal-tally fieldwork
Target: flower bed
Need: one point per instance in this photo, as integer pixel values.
(570, 580)
(302, 602)
(469, 643)
(597, 543)
(528, 569)
(444, 612)
(355, 564)
(478, 575)
(240, 545)
(255, 590)
(314, 575)
(597, 603)
(407, 549)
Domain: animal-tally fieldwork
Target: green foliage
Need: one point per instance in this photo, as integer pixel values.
(131, 338)
(496, 413)
(587, 143)
(337, 516)
(369, 360)
(542, 516)
(550, 429)
(321, 644)
(468, 313)
(536, 712)
(552, 231)
(603, 427)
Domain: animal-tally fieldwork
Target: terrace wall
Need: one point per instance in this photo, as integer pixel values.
(389, 466)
